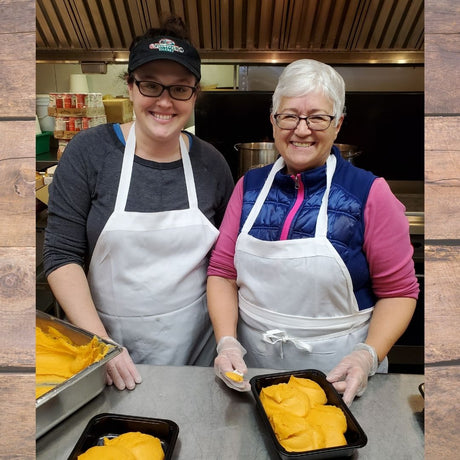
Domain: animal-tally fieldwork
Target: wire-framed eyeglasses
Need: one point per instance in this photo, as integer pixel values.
(314, 122)
(155, 89)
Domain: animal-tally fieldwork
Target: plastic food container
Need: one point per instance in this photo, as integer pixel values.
(354, 435)
(112, 425)
(64, 399)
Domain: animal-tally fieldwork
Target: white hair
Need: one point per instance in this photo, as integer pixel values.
(309, 76)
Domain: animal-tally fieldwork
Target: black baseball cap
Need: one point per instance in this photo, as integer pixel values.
(165, 47)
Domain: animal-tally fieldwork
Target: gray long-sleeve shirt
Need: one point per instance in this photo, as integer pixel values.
(85, 184)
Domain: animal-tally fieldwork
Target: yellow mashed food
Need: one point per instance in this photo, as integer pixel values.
(286, 398)
(58, 358)
(127, 446)
(315, 393)
(107, 453)
(300, 417)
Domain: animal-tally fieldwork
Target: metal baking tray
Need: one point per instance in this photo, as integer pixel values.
(113, 425)
(354, 435)
(64, 399)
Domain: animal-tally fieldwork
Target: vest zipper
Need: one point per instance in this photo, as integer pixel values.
(298, 185)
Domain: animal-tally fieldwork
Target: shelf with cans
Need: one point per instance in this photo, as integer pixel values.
(74, 112)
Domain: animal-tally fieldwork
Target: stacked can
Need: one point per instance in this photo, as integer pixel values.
(75, 112)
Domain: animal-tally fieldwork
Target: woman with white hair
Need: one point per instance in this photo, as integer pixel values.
(313, 266)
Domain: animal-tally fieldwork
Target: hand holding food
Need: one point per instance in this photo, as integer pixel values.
(235, 375)
(229, 364)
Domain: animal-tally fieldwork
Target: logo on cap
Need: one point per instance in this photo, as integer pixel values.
(165, 44)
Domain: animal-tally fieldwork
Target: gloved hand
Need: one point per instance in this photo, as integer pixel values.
(351, 374)
(230, 358)
(122, 372)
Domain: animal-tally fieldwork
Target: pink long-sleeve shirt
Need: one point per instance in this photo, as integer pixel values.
(386, 242)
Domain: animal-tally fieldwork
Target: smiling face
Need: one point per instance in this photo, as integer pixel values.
(161, 118)
(302, 148)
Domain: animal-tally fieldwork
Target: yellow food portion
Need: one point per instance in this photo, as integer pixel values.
(128, 446)
(286, 398)
(42, 389)
(142, 445)
(107, 453)
(236, 377)
(58, 358)
(300, 417)
(310, 439)
(315, 393)
(330, 417)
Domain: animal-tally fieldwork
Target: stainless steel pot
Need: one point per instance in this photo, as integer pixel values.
(258, 154)
(255, 155)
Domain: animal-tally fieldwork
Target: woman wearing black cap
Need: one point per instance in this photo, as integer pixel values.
(133, 212)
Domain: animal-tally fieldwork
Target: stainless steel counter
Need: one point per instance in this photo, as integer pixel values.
(218, 423)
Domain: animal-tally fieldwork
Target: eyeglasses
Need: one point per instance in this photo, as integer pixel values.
(155, 89)
(314, 122)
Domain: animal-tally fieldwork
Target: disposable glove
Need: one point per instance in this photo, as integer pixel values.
(230, 358)
(122, 372)
(351, 374)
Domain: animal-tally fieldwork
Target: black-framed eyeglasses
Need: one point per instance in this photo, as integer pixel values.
(314, 122)
(155, 89)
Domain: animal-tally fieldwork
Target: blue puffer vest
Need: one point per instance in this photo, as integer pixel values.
(347, 199)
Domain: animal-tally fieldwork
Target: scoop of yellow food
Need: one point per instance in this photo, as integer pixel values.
(310, 439)
(132, 445)
(333, 422)
(235, 376)
(107, 453)
(329, 417)
(58, 358)
(143, 446)
(334, 438)
(313, 390)
(286, 425)
(283, 397)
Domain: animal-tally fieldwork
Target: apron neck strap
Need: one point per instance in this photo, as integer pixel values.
(127, 169)
(188, 172)
(277, 166)
(321, 222)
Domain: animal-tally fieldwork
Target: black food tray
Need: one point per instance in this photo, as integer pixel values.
(354, 435)
(113, 425)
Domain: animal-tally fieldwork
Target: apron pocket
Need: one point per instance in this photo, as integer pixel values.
(179, 337)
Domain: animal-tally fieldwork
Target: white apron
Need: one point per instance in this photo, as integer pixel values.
(296, 302)
(148, 276)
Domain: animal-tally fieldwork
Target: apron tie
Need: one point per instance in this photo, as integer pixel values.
(274, 336)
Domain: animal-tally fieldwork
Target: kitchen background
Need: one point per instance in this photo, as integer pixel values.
(57, 78)
(377, 46)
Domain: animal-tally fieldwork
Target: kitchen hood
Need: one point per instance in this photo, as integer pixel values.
(239, 31)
